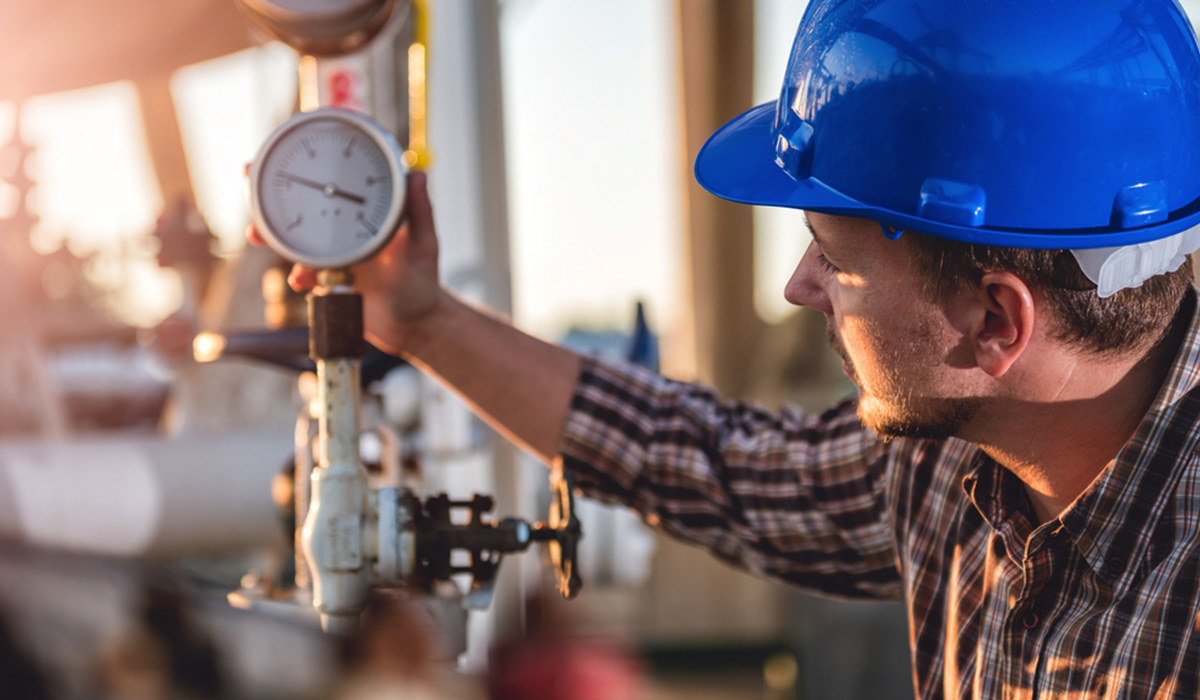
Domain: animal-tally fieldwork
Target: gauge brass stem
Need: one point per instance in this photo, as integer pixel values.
(330, 279)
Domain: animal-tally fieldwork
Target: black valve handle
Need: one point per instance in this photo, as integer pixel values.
(288, 348)
(487, 542)
(564, 530)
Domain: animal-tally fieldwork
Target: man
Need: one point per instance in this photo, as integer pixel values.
(999, 195)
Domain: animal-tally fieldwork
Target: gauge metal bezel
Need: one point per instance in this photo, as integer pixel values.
(392, 153)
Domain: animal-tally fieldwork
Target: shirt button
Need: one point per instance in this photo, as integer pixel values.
(1030, 620)
(1116, 565)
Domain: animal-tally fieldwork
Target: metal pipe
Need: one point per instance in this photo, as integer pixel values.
(301, 479)
(418, 155)
(142, 496)
(333, 530)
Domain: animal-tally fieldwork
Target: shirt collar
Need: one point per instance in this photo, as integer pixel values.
(1000, 498)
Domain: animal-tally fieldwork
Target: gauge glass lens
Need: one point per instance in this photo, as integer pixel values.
(325, 189)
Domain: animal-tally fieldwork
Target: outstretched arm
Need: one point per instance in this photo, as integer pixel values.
(521, 385)
(802, 499)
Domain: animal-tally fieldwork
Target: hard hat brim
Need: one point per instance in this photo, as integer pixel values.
(738, 163)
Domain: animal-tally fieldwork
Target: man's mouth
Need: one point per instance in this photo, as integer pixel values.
(836, 344)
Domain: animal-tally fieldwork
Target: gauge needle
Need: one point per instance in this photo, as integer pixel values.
(330, 190)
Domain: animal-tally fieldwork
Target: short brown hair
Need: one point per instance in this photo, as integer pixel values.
(1130, 320)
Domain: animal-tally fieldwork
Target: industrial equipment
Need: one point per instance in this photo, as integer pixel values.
(327, 190)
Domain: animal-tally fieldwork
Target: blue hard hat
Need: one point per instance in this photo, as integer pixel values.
(1025, 123)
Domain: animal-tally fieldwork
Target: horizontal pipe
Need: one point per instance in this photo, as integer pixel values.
(143, 495)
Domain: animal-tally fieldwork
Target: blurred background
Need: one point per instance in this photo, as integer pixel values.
(140, 487)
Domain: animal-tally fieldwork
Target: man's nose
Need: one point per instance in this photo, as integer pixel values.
(807, 284)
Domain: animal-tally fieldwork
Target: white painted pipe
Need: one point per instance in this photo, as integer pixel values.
(332, 537)
(144, 495)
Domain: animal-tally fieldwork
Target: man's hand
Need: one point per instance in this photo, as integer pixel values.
(519, 384)
(399, 284)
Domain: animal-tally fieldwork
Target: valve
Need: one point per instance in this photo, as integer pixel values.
(485, 542)
(561, 533)
(360, 537)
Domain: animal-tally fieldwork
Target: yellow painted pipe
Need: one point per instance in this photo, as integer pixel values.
(418, 156)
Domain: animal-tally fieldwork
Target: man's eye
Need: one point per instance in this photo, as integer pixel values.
(829, 267)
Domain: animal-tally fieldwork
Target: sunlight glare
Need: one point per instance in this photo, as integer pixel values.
(95, 183)
(96, 193)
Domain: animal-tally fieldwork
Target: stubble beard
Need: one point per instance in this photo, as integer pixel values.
(903, 416)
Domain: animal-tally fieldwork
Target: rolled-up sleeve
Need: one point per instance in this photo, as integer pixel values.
(802, 499)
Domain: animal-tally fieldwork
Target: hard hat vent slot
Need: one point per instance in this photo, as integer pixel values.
(952, 202)
(1141, 205)
(793, 147)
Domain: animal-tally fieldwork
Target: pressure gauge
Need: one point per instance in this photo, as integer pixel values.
(327, 188)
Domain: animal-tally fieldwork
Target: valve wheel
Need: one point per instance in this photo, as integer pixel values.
(563, 522)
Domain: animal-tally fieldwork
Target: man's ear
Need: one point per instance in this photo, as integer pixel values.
(1005, 327)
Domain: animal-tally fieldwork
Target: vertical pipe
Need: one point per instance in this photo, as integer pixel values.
(333, 531)
(310, 84)
(301, 478)
(418, 156)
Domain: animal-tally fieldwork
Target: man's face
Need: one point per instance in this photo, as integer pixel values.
(897, 346)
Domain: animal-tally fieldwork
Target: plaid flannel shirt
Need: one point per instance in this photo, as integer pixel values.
(1103, 602)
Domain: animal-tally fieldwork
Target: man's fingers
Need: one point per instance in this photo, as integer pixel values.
(420, 211)
(254, 236)
(302, 278)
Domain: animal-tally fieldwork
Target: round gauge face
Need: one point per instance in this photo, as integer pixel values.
(327, 188)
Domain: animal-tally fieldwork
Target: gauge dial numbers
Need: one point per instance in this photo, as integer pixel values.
(327, 188)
